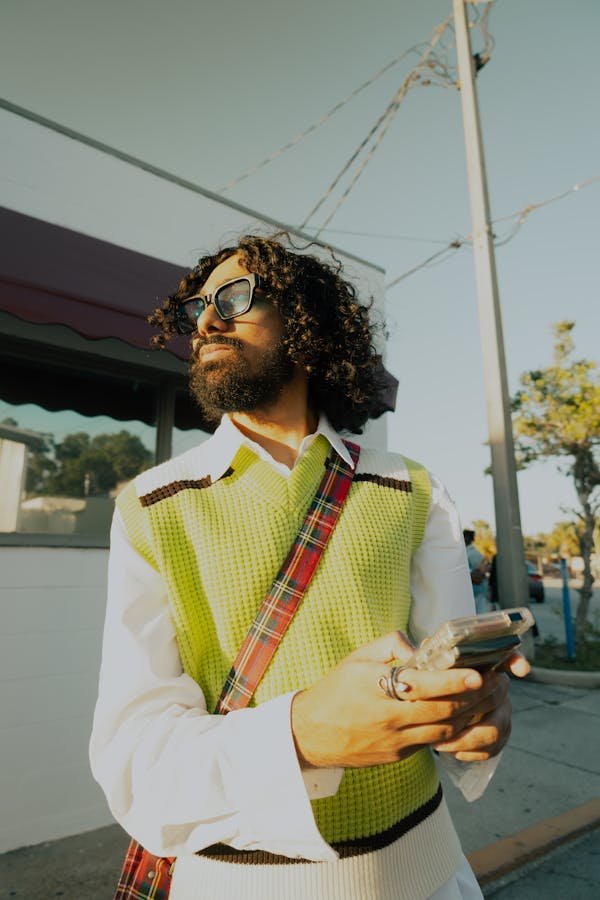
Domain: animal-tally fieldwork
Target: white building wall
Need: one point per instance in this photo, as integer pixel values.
(52, 602)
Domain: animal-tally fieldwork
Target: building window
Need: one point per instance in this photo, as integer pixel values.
(74, 428)
(60, 471)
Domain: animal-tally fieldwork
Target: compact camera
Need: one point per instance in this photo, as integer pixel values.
(480, 642)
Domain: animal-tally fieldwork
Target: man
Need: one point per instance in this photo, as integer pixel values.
(478, 569)
(327, 785)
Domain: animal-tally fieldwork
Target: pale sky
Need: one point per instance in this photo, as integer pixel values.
(206, 90)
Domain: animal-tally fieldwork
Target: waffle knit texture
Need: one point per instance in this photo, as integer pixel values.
(219, 547)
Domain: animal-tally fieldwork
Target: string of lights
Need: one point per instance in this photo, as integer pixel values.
(518, 218)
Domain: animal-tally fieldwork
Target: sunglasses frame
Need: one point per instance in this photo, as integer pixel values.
(185, 325)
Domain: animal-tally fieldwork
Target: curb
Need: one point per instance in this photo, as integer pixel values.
(565, 677)
(502, 857)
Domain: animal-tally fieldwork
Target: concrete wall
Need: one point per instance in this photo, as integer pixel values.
(52, 604)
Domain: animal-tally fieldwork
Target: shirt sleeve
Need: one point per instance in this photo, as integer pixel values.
(176, 777)
(441, 589)
(440, 581)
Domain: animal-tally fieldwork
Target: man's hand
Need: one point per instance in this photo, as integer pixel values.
(345, 719)
(485, 736)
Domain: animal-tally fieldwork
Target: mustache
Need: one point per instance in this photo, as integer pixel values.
(216, 339)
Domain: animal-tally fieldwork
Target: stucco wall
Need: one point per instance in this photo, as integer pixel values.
(52, 610)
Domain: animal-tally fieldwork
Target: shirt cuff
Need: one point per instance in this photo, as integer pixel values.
(471, 778)
(320, 783)
(262, 774)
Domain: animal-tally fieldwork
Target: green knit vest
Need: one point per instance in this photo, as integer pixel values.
(219, 546)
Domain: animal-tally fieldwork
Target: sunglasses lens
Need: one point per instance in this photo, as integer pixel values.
(233, 299)
(189, 313)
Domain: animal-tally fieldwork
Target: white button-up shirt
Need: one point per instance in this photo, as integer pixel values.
(179, 778)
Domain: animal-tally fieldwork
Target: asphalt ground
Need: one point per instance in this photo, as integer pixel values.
(572, 871)
(535, 833)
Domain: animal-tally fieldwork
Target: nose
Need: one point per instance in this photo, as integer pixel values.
(209, 322)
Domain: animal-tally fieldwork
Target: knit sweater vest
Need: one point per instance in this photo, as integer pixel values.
(219, 546)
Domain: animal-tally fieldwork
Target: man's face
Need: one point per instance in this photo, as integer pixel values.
(238, 365)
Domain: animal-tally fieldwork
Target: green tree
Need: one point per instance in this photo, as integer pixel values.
(484, 538)
(556, 414)
(79, 466)
(536, 545)
(565, 539)
(41, 465)
(92, 466)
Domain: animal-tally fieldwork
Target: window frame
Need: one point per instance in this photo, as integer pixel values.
(60, 348)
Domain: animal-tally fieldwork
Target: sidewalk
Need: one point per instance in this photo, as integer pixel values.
(550, 768)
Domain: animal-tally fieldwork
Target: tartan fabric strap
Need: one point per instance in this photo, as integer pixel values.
(148, 877)
(281, 602)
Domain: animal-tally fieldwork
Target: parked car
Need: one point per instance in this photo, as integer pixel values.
(536, 585)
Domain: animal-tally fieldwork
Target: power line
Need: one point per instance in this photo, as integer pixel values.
(381, 235)
(317, 124)
(439, 73)
(383, 123)
(433, 68)
(520, 216)
(454, 245)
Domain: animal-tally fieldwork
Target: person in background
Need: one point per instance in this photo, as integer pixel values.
(478, 568)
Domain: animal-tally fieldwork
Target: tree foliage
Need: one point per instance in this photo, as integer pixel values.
(484, 538)
(565, 539)
(81, 466)
(556, 413)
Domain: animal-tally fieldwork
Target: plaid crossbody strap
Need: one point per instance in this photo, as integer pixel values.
(282, 600)
(148, 877)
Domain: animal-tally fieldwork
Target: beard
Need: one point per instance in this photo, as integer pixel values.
(230, 385)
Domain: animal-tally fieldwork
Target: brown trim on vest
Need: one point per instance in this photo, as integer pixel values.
(382, 481)
(352, 847)
(169, 490)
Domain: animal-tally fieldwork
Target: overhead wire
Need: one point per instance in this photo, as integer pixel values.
(383, 123)
(431, 64)
(382, 236)
(317, 124)
(520, 216)
(432, 68)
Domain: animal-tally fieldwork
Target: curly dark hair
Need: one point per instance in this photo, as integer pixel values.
(326, 330)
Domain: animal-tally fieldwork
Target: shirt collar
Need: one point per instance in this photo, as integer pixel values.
(227, 440)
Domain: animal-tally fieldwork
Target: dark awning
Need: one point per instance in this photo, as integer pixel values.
(52, 275)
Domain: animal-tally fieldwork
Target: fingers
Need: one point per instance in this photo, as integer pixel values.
(388, 648)
(427, 685)
(483, 739)
(419, 707)
(518, 665)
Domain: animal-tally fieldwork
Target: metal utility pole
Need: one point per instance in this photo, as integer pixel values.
(512, 578)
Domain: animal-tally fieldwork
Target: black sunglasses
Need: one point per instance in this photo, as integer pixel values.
(234, 298)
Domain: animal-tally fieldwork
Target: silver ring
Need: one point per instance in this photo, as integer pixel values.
(392, 685)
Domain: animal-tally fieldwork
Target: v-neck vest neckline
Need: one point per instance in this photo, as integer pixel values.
(270, 487)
